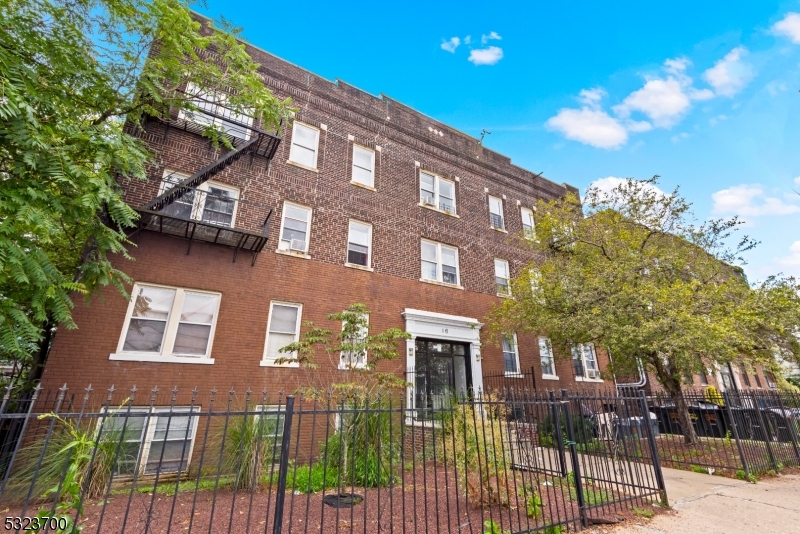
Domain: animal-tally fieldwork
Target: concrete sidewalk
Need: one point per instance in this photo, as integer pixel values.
(711, 504)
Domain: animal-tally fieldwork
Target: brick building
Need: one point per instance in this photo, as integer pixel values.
(362, 200)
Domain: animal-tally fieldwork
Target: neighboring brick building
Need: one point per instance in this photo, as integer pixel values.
(370, 202)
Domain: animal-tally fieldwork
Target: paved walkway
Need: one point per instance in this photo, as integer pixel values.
(712, 504)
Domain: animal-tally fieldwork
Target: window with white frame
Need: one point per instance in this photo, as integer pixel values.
(363, 166)
(355, 359)
(169, 322)
(359, 244)
(502, 277)
(439, 263)
(210, 202)
(283, 328)
(295, 225)
(436, 192)
(213, 110)
(305, 145)
(584, 360)
(496, 213)
(268, 421)
(156, 441)
(528, 228)
(510, 354)
(546, 357)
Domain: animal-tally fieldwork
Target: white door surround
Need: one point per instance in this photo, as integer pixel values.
(432, 325)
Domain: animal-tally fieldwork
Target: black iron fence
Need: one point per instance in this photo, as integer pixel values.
(173, 461)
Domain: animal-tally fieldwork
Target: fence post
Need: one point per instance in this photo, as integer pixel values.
(554, 409)
(283, 467)
(765, 432)
(790, 425)
(651, 440)
(727, 401)
(576, 464)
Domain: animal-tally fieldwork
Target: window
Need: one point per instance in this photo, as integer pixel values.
(158, 443)
(546, 357)
(356, 359)
(584, 359)
(727, 380)
(359, 244)
(770, 377)
(283, 329)
(268, 421)
(211, 202)
(305, 143)
(439, 262)
(168, 322)
(757, 378)
(437, 192)
(496, 213)
(510, 354)
(703, 379)
(743, 374)
(363, 166)
(501, 277)
(294, 228)
(528, 228)
(213, 111)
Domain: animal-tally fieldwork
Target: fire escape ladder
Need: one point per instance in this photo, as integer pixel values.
(203, 175)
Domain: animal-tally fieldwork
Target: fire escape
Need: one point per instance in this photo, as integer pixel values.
(188, 208)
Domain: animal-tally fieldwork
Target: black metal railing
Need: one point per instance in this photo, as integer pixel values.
(496, 221)
(159, 461)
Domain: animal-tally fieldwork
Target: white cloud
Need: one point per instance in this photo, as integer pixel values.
(789, 27)
(677, 138)
(730, 74)
(451, 44)
(664, 100)
(589, 126)
(791, 262)
(492, 35)
(486, 56)
(467, 39)
(776, 87)
(607, 184)
(749, 201)
(797, 180)
(713, 121)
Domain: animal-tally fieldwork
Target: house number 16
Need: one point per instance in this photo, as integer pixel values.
(444, 330)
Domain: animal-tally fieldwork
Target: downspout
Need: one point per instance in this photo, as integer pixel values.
(642, 375)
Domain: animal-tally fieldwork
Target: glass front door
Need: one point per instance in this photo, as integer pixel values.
(441, 376)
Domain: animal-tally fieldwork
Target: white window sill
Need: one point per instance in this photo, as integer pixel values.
(157, 358)
(411, 421)
(514, 375)
(437, 283)
(498, 229)
(505, 295)
(349, 368)
(293, 254)
(363, 186)
(265, 363)
(550, 377)
(583, 379)
(434, 208)
(359, 267)
(312, 169)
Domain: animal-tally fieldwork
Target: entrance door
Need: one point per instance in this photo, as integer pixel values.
(442, 374)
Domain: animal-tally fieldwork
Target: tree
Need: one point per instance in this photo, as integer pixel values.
(636, 275)
(76, 76)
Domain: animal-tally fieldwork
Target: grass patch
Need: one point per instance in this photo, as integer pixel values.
(643, 512)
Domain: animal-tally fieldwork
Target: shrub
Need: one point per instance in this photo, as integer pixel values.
(250, 447)
(312, 478)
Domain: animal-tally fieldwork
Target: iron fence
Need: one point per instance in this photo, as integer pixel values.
(173, 461)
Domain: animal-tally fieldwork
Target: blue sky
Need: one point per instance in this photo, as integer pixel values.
(704, 94)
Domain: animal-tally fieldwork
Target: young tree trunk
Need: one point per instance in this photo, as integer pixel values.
(673, 387)
(40, 357)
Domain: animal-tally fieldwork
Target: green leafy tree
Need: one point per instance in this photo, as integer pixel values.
(630, 271)
(76, 79)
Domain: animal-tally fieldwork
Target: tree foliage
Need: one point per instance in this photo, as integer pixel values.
(73, 73)
(631, 271)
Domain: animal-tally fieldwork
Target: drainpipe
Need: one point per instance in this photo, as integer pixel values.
(639, 383)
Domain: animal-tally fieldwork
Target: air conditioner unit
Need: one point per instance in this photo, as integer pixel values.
(592, 373)
(428, 201)
(297, 245)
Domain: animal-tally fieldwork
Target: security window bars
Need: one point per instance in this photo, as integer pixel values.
(528, 228)
(502, 277)
(151, 442)
(510, 354)
(359, 244)
(546, 356)
(436, 192)
(439, 263)
(213, 110)
(295, 228)
(210, 202)
(584, 360)
(496, 213)
(363, 166)
(305, 145)
(169, 321)
(283, 329)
